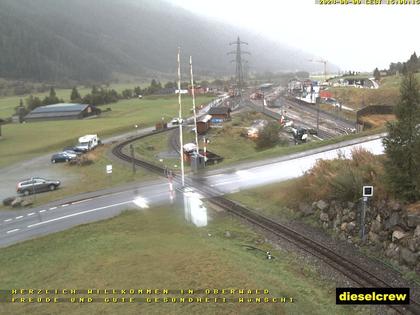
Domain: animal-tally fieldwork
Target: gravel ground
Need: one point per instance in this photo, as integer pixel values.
(37, 167)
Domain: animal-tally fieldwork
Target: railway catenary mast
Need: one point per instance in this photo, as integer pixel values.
(239, 71)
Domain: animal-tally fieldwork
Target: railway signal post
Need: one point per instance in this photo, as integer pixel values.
(367, 192)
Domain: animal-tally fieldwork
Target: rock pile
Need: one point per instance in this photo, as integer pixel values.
(389, 227)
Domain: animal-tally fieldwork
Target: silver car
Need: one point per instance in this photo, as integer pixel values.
(36, 185)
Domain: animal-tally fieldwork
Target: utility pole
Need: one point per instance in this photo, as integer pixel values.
(181, 141)
(239, 73)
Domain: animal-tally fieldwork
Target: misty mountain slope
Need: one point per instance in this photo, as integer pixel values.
(84, 40)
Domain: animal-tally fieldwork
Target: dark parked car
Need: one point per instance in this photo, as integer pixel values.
(62, 157)
(36, 185)
(74, 149)
(71, 152)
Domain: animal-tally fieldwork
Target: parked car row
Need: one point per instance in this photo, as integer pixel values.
(37, 184)
(86, 143)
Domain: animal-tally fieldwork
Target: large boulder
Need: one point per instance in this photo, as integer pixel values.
(306, 209)
(393, 220)
(374, 238)
(398, 235)
(408, 257)
(413, 220)
(417, 231)
(392, 251)
(394, 205)
(324, 217)
(26, 203)
(337, 222)
(376, 225)
(350, 205)
(413, 244)
(17, 202)
(322, 205)
(8, 201)
(350, 226)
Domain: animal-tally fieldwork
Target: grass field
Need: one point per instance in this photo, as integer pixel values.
(375, 121)
(7, 104)
(23, 141)
(150, 147)
(387, 94)
(156, 249)
(273, 200)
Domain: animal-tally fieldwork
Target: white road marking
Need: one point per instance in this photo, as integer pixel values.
(29, 214)
(7, 220)
(19, 217)
(52, 208)
(80, 201)
(11, 231)
(41, 211)
(65, 205)
(78, 213)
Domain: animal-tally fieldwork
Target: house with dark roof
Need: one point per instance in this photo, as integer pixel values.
(61, 111)
(220, 112)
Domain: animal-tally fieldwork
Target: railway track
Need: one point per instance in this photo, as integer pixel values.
(338, 124)
(323, 134)
(345, 266)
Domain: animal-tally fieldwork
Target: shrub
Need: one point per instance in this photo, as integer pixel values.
(269, 136)
(341, 179)
(81, 161)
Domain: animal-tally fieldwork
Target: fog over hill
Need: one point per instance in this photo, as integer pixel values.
(54, 40)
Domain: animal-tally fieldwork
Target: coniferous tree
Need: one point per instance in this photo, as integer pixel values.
(51, 98)
(402, 144)
(33, 102)
(376, 74)
(412, 63)
(75, 96)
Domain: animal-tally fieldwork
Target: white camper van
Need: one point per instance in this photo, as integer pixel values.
(88, 142)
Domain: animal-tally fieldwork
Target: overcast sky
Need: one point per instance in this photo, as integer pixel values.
(354, 37)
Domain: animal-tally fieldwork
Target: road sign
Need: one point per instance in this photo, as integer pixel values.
(109, 169)
(367, 191)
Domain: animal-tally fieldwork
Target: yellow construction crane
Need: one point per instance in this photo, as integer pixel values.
(325, 67)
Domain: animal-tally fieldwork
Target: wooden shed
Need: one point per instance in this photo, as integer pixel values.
(203, 124)
(220, 113)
